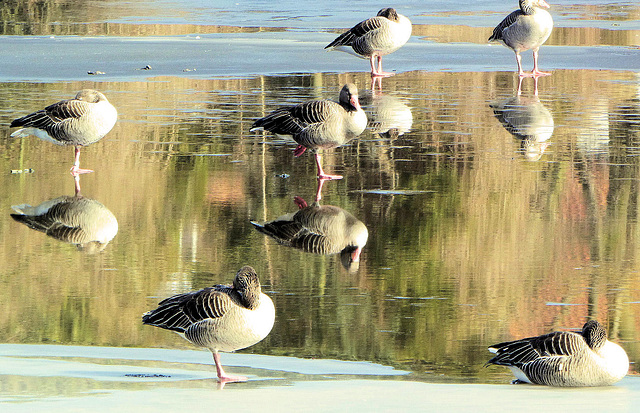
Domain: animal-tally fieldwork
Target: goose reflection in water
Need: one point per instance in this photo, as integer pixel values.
(319, 229)
(528, 120)
(390, 116)
(76, 219)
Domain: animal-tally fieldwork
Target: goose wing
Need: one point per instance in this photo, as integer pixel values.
(519, 352)
(295, 119)
(181, 311)
(358, 31)
(52, 115)
(508, 21)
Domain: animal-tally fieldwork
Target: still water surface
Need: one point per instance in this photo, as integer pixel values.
(489, 216)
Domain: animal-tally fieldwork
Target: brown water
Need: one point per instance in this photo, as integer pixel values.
(476, 234)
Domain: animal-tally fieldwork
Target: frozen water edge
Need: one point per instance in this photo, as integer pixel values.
(266, 53)
(75, 378)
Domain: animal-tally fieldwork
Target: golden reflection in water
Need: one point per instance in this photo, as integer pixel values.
(492, 248)
(77, 220)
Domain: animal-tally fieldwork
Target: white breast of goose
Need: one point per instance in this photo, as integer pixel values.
(238, 329)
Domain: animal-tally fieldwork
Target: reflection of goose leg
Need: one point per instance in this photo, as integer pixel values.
(75, 169)
(76, 178)
(535, 85)
(321, 174)
(376, 80)
(222, 376)
(319, 190)
(520, 85)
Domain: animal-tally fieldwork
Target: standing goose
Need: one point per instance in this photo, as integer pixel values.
(220, 318)
(319, 229)
(80, 121)
(524, 29)
(318, 124)
(564, 358)
(375, 37)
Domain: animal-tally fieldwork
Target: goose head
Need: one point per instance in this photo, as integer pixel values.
(349, 98)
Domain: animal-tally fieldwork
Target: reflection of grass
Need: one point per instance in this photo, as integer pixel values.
(494, 236)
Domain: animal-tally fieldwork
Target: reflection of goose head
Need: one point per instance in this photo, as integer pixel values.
(390, 117)
(527, 119)
(320, 229)
(77, 220)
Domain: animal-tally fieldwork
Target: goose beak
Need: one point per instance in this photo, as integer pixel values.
(355, 255)
(543, 3)
(354, 102)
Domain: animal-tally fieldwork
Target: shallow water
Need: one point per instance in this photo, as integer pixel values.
(482, 227)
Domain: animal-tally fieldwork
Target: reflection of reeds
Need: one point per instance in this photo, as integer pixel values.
(444, 272)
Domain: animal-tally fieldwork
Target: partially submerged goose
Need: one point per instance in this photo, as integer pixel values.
(524, 29)
(375, 37)
(318, 124)
(564, 358)
(80, 121)
(219, 318)
(319, 229)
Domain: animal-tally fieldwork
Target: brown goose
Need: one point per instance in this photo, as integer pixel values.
(319, 229)
(375, 37)
(77, 220)
(318, 124)
(80, 121)
(219, 318)
(564, 358)
(524, 29)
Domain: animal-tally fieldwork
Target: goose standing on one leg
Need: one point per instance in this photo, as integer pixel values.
(79, 122)
(318, 124)
(524, 29)
(376, 37)
(220, 318)
(564, 358)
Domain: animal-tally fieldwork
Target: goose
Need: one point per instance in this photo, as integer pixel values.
(524, 29)
(319, 229)
(80, 121)
(318, 124)
(528, 120)
(564, 358)
(76, 220)
(375, 37)
(219, 318)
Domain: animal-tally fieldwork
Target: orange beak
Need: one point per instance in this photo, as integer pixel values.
(543, 3)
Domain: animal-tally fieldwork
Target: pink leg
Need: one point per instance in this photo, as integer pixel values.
(300, 202)
(222, 376)
(321, 174)
(536, 72)
(521, 72)
(75, 169)
(377, 71)
(535, 85)
(299, 150)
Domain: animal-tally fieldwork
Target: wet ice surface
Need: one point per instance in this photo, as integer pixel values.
(473, 222)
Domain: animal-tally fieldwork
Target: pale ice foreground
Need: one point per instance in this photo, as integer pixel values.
(75, 378)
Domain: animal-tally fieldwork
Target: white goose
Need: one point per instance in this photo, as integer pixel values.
(220, 318)
(318, 124)
(80, 121)
(524, 29)
(564, 358)
(375, 37)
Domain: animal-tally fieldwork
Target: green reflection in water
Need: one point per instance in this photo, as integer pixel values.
(466, 248)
